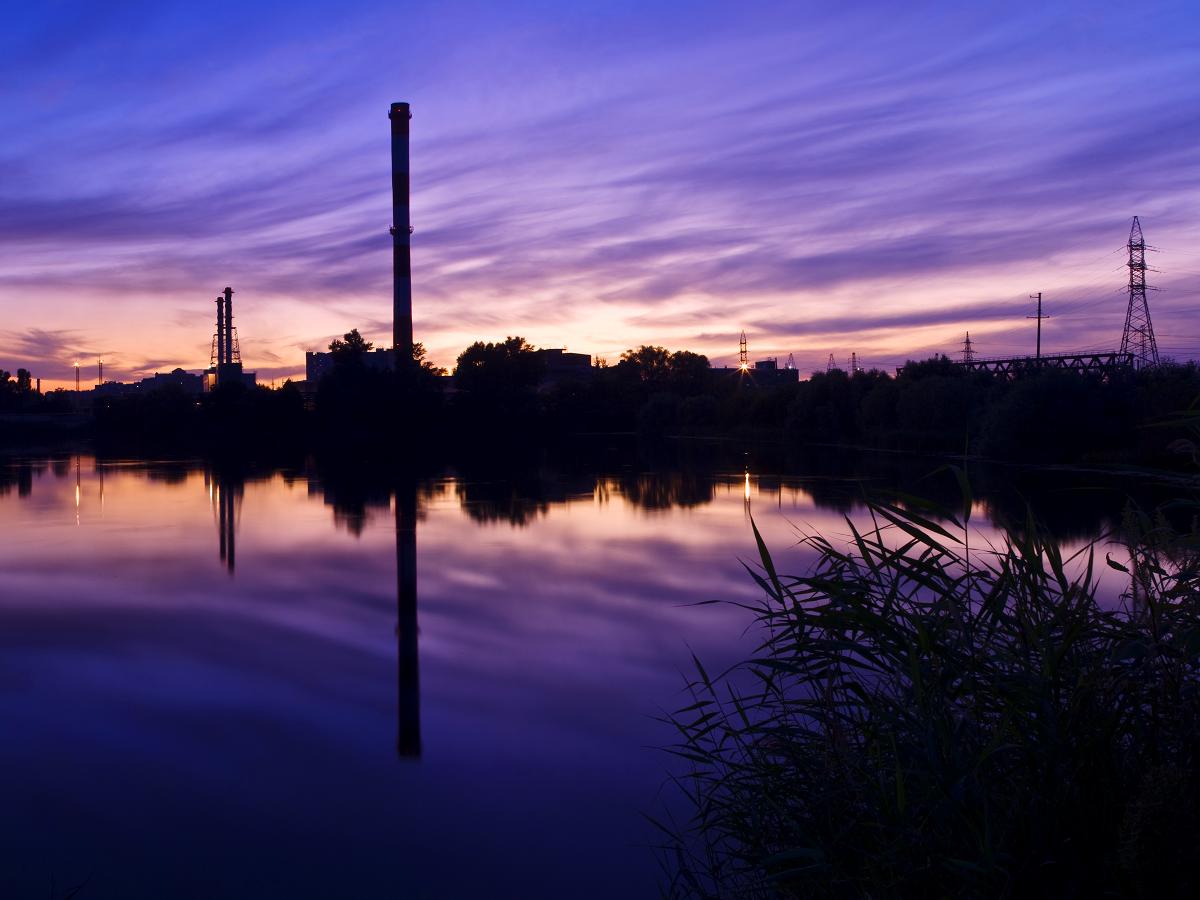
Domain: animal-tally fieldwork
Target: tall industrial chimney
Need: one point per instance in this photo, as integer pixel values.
(220, 332)
(402, 327)
(228, 324)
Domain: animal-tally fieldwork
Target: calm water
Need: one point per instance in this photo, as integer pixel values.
(312, 684)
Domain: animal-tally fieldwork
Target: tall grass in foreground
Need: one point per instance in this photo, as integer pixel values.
(918, 722)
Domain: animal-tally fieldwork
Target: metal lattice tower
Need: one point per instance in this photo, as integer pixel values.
(853, 363)
(743, 354)
(1138, 337)
(237, 349)
(791, 363)
(225, 345)
(968, 350)
(831, 365)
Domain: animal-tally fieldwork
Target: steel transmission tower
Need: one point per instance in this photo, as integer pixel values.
(1138, 337)
(968, 350)
(743, 353)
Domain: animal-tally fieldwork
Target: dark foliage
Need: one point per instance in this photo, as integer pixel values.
(503, 392)
(921, 722)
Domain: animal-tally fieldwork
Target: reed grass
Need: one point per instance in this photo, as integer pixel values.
(921, 720)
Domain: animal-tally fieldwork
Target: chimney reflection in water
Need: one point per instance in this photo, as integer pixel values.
(224, 494)
(408, 706)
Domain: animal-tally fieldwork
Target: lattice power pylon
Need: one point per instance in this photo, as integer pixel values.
(1138, 337)
(968, 350)
(743, 353)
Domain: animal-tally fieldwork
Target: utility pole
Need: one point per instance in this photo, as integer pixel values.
(76, 381)
(99, 371)
(1039, 317)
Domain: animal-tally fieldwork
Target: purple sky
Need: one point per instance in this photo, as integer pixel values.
(866, 177)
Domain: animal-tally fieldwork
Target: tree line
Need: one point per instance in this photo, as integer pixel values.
(502, 391)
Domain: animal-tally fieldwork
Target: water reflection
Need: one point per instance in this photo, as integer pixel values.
(352, 498)
(225, 493)
(256, 687)
(19, 474)
(1073, 506)
(408, 668)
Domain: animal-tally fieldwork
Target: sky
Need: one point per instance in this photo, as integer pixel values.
(869, 178)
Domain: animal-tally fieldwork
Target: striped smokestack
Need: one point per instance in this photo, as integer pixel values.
(228, 297)
(402, 327)
(220, 332)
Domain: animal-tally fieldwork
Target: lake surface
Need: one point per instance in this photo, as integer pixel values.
(320, 682)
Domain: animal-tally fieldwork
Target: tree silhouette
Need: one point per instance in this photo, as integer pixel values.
(682, 370)
(418, 356)
(351, 348)
(646, 363)
(499, 368)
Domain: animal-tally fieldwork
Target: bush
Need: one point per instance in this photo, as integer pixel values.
(924, 723)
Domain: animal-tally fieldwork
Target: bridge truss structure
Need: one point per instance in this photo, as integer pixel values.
(1102, 364)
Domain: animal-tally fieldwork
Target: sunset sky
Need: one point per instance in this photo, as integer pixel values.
(875, 178)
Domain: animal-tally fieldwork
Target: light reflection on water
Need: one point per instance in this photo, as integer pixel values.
(312, 683)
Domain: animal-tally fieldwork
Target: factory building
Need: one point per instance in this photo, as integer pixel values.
(318, 364)
(764, 373)
(177, 379)
(559, 365)
(225, 362)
